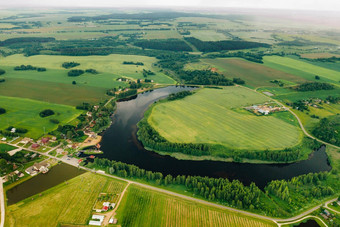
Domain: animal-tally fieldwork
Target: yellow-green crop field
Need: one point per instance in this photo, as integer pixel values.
(216, 116)
(142, 207)
(67, 203)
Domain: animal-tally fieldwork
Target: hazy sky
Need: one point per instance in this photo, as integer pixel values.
(333, 5)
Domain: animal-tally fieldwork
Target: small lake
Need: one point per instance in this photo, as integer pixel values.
(309, 223)
(57, 174)
(120, 143)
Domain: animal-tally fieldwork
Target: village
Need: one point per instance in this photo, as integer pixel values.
(266, 108)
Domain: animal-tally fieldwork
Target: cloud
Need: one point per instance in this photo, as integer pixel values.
(277, 4)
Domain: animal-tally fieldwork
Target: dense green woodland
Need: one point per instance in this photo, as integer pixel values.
(215, 46)
(314, 86)
(328, 129)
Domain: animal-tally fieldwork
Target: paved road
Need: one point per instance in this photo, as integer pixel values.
(2, 200)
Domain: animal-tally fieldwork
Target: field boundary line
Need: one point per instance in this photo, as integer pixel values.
(2, 198)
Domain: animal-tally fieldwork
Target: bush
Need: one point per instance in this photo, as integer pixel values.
(41, 69)
(75, 72)
(54, 121)
(93, 71)
(238, 81)
(46, 113)
(2, 72)
(74, 82)
(68, 65)
(2, 111)
(2, 80)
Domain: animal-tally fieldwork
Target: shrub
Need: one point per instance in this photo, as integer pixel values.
(75, 72)
(2, 72)
(2, 111)
(54, 121)
(68, 65)
(46, 113)
(2, 80)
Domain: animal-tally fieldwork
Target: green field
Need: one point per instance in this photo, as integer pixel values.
(214, 116)
(207, 35)
(24, 113)
(301, 68)
(142, 207)
(60, 93)
(67, 203)
(110, 68)
(5, 147)
(254, 74)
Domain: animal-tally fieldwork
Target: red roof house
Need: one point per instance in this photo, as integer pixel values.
(35, 146)
(45, 140)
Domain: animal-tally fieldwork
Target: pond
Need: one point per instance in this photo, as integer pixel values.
(57, 174)
(120, 143)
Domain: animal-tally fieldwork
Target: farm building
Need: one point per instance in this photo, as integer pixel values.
(97, 220)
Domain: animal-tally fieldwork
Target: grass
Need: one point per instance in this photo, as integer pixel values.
(254, 74)
(207, 35)
(110, 68)
(60, 93)
(5, 147)
(319, 55)
(301, 68)
(67, 203)
(142, 207)
(213, 116)
(24, 113)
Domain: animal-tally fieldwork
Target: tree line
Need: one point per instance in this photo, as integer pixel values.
(314, 86)
(216, 46)
(328, 130)
(29, 67)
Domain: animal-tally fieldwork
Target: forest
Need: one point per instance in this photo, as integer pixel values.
(215, 46)
(314, 86)
(328, 130)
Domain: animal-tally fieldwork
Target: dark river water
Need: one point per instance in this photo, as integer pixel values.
(42, 182)
(119, 143)
(309, 223)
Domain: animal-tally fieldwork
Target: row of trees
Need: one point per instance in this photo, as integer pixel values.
(151, 139)
(132, 63)
(216, 46)
(204, 77)
(222, 190)
(29, 67)
(179, 95)
(314, 86)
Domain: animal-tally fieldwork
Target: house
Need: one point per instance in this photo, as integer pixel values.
(3, 139)
(327, 213)
(35, 146)
(34, 155)
(13, 130)
(45, 140)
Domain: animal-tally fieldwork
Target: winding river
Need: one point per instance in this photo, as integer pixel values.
(120, 143)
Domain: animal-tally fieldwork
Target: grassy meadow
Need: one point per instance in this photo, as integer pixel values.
(142, 207)
(254, 74)
(301, 68)
(59, 93)
(67, 203)
(109, 67)
(215, 116)
(6, 147)
(24, 113)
